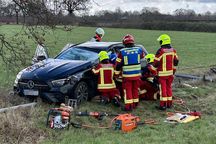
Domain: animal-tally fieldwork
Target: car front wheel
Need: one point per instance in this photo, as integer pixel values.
(81, 92)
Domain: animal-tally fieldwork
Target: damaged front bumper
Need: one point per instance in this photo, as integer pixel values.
(47, 91)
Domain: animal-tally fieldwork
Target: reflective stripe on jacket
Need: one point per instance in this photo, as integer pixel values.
(129, 61)
(165, 60)
(106, 73)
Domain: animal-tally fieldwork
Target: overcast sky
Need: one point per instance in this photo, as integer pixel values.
(164, 6)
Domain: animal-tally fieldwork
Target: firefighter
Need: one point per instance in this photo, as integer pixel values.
(99, 33)
(118, 78)
(165, 61)
(149, 83)
(128, 62)
(106, 85)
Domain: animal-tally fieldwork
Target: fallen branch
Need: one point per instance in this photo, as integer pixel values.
(213, 70)
(192, 77)
(188, 76)
(16, 107)
(189, 86)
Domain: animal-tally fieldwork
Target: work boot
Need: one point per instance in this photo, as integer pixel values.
(161, 108)
(116, 101)
(104, 100)
(169, 106)
(135, 105)
(126, 108)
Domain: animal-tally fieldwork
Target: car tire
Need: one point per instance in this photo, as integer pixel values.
(81, 92)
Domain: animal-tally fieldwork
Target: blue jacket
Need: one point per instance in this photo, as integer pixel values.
(129, 61)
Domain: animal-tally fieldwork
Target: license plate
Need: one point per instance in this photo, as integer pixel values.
(31, 92)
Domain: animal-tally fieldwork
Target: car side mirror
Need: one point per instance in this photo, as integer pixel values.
(40, 58)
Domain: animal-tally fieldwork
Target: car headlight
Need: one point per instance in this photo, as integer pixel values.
(60, 82)
(18, 77)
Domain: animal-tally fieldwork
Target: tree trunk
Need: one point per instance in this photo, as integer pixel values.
(17, 17)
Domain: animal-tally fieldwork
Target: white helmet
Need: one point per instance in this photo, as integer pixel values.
(100, 32)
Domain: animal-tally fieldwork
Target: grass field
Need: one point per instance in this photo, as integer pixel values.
(201, 131)
(194, 50)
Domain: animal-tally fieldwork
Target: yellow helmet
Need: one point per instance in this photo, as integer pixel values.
(164, 39)
(150, 58)
(103, 55)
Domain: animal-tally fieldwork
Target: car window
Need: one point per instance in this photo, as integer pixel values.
(78, 54)
(115, 48)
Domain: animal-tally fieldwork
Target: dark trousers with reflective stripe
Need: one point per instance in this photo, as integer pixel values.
(131, 91)
(165, 90)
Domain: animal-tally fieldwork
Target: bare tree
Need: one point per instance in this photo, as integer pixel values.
(74, 5)
(150, 10)
(39, 16)
(13, 51)
(184, 12)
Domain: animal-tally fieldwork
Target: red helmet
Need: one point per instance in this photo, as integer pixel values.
(128, 39)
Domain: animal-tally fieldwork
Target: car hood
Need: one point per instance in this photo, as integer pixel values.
(51, 69)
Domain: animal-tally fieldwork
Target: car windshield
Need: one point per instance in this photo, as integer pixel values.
(78, 54)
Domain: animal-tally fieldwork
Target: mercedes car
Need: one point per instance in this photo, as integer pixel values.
(68, 75)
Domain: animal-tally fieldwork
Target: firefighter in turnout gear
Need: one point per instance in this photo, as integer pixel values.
(165, 61)
(106, 85)
(99, 33)
(149, 82)
(128, 63)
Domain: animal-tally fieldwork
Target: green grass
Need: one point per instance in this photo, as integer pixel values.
(200, 131)
(194, 50)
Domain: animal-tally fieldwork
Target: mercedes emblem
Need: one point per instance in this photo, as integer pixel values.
(31, 84)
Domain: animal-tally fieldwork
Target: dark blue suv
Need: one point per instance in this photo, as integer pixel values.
(68, 74)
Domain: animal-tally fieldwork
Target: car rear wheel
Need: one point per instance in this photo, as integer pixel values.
(81, 92)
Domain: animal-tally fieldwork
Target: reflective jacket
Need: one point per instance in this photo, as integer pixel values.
(149, 72)
(165, 61)
(129, 62)
(105, 79)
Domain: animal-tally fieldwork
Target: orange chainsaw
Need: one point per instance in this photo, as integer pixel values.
(123, 122)
(126, 122)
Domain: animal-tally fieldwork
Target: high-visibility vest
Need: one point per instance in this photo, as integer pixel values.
(165, 61)
(105, 79)
(130, 58)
